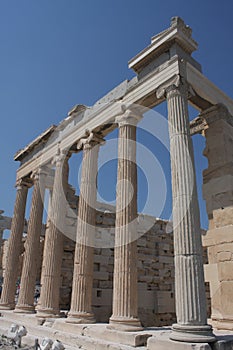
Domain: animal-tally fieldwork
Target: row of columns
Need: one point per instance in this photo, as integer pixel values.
(190, 294)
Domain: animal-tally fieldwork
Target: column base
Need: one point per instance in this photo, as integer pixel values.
(125, 324)
(192, 334)
(80, 317)
(24, 309)
(6, 306)
(47, 313)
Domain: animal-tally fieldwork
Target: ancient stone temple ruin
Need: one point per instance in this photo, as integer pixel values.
(131, 285)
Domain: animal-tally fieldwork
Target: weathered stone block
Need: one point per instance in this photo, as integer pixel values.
(103, 260)
(225, 255)
(142, 286)
(166, 259)
(224, 216)
(223, 345)
(147, 299)
(108, 220)
(218, 236)
(101, 275)
(106, 284)
(158, 343)
(106, 252)
(101, 296)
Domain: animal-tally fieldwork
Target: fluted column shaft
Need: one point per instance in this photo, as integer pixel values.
(1, 250)
(14, 247)
(189, 276)
(125, 298)
(46, 233)
(81, 301)
(48, 305)
(32, 246)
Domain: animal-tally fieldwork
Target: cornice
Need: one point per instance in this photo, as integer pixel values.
(40, 139)
(178, 32)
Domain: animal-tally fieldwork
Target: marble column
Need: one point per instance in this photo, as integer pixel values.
(14, 246)
(48, 305)
(189, 276)
(46, 233)
(81, 301)
(32, 246)
(1, 250)
(125, 295)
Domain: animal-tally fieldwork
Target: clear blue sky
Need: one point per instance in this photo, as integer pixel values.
(58, 53)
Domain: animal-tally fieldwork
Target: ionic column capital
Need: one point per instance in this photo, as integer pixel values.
(25, 182)
(60, 157)
(130, 117)
(91, 140)
(38, 173)
(176, 84)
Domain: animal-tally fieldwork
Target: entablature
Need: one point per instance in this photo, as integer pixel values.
(140, 90)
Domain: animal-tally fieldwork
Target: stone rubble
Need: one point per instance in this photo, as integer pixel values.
(7, 344)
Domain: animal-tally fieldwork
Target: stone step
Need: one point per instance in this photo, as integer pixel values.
(73, 339)
(19, 317)
(161, 341)
(101, 331)
(99, 337)
(166, 344)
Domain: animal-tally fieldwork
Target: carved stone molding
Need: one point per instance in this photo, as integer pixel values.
(77, 109)
(211, 115)
(217, 112)
(198, 125)
(178, 22)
